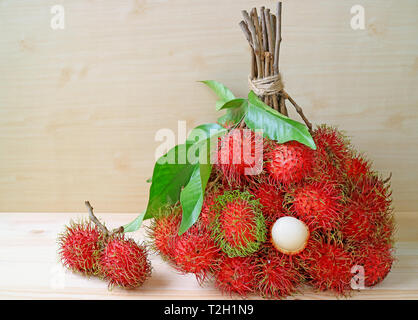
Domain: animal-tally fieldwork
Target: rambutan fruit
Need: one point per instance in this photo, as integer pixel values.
(79, 247)
(385, 230)
(207, 214)
(359, 225)
(276, 276)
(331, 145)
(363, 226)
(377, 262)
(239, 228)
(372, 194)
(288, 162)
(240, 155)
(124, 263)
(356, 167)
(163, 229)
(328, 266)
(331, 155)
(236, 275)
(270, 196)
(318, 204)
(195, 252)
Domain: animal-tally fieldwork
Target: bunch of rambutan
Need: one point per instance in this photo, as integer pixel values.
(90, 249)
(337, 205)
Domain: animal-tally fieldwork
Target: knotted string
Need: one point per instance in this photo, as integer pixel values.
(267, 86)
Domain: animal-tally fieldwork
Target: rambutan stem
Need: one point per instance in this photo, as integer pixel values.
(95, 220)
(298, 110)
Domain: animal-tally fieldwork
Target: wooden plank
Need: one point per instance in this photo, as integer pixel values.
(79, 107)
(29, 268)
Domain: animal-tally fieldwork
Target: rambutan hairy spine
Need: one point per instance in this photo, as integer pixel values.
(79, 247)
(357, 166)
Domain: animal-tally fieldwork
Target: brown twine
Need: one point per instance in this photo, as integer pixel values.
(267, 86)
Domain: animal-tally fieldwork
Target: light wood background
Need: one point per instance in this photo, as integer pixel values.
(79, 107)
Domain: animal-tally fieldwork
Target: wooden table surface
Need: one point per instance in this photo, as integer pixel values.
(29, 268)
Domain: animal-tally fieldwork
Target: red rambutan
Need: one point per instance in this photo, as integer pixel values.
(207, 214)
(271, 198)
(331, 145)
(377, 262)
(385, 230)
(239, 228)
(289, 162)
(163, 230)
(356, 167)
(359, 225)
(236, 275)
(276, 275)
(331, 155)
(318, 204)
(79, 247)
(372, 194)
(124, 263)
(328, 266)
(240, 154)
(195, 252)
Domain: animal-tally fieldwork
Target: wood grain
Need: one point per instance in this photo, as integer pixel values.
(29, 267)
(79, 107)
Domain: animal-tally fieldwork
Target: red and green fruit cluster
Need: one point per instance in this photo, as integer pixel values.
(333, 190)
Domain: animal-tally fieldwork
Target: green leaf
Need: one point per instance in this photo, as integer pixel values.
(135, 224)
(223, 93)
(168, 178)
(235, 111)
(191, 197)
(236, 108)
(149, 180)
(234, 103)
(275, 125)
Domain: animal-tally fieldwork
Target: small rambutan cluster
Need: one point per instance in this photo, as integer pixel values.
(87, 249)
(343, 208)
